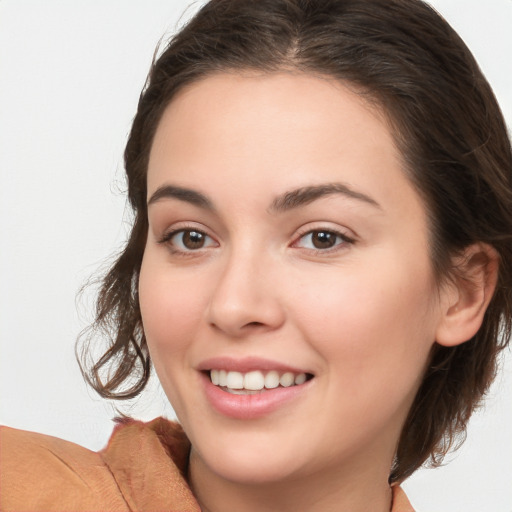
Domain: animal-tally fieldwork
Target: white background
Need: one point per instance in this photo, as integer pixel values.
(70, 76)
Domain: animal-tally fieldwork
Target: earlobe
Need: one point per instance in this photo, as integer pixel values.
(466, 297)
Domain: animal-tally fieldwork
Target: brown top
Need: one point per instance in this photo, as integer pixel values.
(143, 468)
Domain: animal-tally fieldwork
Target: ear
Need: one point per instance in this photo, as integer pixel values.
(465, 298)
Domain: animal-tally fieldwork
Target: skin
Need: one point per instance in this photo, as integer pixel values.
(361, 316)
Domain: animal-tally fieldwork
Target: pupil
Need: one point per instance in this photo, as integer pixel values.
(193, 239)
(323, 239)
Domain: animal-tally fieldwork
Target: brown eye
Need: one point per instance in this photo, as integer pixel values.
(322, 240)
(186, 240)
(193, 239)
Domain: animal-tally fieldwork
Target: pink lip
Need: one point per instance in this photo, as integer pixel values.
(246, 407)
(246, 364)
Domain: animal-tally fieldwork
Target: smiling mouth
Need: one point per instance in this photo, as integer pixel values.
(256, 381)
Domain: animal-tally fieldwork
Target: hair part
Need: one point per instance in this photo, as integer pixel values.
(404, 58)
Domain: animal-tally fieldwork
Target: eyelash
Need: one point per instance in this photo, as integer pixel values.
(168, 236)
(345, 240)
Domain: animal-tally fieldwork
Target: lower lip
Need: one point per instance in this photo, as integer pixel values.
(247, 407)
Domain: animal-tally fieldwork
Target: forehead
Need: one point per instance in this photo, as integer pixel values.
(228, 106)
(233, 132)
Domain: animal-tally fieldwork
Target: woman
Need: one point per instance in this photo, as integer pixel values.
(322, 196)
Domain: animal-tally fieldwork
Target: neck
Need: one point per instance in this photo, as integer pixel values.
(352, 490)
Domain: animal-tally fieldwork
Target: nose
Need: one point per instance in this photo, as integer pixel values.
(246, 297)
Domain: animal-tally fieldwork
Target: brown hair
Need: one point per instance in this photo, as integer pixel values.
(405, 58)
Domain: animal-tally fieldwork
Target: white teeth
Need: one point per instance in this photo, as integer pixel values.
(242, 391)
(287, 379)
(272, 380)
(235, 380)
(300, 379)
(255, 381)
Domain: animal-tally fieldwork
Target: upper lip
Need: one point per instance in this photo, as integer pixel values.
(246, 364)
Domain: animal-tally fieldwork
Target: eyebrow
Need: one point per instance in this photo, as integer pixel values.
(305, 195)
(284, 202)
(183, 194)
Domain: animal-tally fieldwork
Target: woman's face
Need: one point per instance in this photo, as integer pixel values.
(285, 246)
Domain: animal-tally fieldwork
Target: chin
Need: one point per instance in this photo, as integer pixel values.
(248, 457)
(254, 471)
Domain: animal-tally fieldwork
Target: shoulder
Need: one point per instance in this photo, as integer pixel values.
(143, 467)
(39, 472)
(400, 501)
(150, 463)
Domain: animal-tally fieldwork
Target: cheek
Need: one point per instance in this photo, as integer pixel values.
(170, 308)
(372, 324)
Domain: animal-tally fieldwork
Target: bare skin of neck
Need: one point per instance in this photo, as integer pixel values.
(355, 490)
